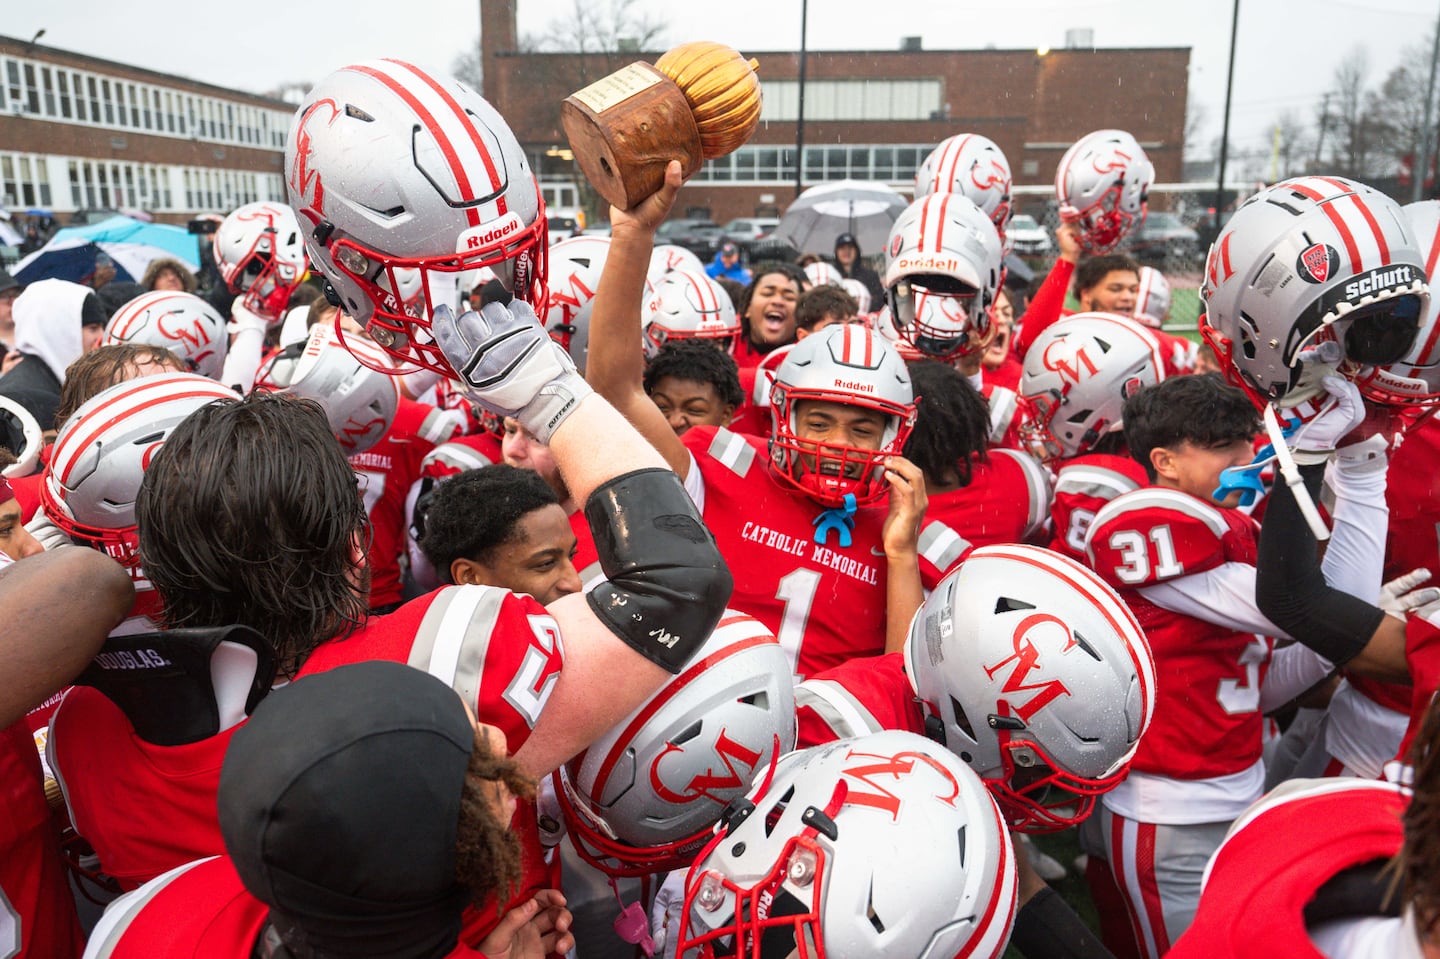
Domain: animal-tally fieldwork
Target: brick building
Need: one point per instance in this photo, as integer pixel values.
(78, 132)
(871, 114)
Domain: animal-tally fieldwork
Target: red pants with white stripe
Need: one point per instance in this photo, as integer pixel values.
(1158, 870)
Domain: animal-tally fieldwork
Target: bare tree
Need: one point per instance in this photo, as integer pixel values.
(607, 27)
(1399, 104)
(1291, 145)
(1197, 116)
(1353, 127)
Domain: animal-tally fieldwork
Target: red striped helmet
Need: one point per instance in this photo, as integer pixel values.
(688, 305)
(1310, 261)
(182, 323)
(100, 456)
(1103, 187)
(260, 253)
(942, 273)
(1152, 303)
(972, 166)
(1034, 672)
(852, 366)
(391, 167)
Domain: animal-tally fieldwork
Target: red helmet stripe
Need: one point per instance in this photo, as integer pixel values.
(1337, 220)
(953, 154)
(940, 224)
(462, 180)
(68, 455)
(924, 216)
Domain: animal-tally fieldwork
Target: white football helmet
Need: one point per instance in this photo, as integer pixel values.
(666, 257)
(1103, 185)
(1414, 379)
(852, 365)
(575, 266)
(644, 797)
(880, 847)
(1034, 672)
(182, 323)
(821, 273)
(1308, 261)
(860, 292)
(1152, 303)
(973, 166)
(393, 168)
(346, 379)
(942, 271)
(688, 305)
(100, 457)
(883, 323)
(260, 254)
(1077, 376)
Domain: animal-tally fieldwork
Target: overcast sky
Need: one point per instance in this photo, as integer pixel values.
(1285, 58)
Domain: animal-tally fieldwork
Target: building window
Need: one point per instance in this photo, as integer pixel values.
(853, 100)
(768, 164)
(47, 80)
(32, 92)
(62, 80)
(94, 99)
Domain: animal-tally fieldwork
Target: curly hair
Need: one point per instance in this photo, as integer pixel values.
(817, 303)
(758, 273)
(471, 514)
(250, 514)
(487, 852)
(102, 368)
(699, 362)
(181, 271)
(1199, 409)
(952, 423)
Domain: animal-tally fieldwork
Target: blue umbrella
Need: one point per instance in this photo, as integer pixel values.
(131, 244)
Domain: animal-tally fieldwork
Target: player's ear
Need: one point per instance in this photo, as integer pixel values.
(467, 572)
(1162, 460)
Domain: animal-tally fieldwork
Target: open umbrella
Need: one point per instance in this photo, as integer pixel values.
(132, 245)
(821, 213)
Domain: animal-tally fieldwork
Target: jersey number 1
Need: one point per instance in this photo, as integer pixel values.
(1135, 555)
(797, 592)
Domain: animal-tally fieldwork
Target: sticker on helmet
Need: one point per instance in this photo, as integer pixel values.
(1318, 263)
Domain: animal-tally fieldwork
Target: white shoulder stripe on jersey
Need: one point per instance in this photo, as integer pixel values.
(119, 914)
(838, 709)
(731, 451)
(1003, 405)
(1156, 497)
(454, 637)
(1038, 482)
(941, 545)
(1097, 481)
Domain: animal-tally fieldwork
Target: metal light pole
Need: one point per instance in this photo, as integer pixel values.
(800, 111)
(1225, 124)
(1422, 161)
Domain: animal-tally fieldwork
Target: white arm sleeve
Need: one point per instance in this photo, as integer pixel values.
(1293, 670)
(1224, 595)
(695, 485)
(1355, 559)
(242, 361)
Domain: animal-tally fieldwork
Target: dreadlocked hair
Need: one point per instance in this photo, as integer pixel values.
(249, 514)
(487, 852)
(1419, 859)
(952, 423)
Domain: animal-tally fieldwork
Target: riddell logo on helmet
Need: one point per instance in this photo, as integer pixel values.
(926, 264)
(479, 237)
(1318, 263)
(854, 385)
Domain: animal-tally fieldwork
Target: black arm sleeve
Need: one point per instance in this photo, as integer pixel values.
(1047, 928)
(667, 584)
(1291, 590)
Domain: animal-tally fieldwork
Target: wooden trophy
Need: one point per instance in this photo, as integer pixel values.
(699, 101)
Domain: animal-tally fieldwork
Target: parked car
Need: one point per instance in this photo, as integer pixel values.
(746, 230)
(701, 237)
(1027, 237)
(1164, 236)
(563, 223)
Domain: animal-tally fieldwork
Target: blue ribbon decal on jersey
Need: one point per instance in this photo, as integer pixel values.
(841, 519)
(1247, 478)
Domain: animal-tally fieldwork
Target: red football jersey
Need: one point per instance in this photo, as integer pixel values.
(1207, 720)
(1082, 486)
(865, 695)
(387, 470)
(753, 416)
(1177, 352)
(1005, 502)
(470, 452)
(1006, 375)
(1004, 408)
(1422, 656)
(1268, 869)
(37, 913)
(146, 809)
(825, 603)
(1046, 306)
(200, 912)
(746, 355)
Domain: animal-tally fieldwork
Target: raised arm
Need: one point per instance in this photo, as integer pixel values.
(615, 364)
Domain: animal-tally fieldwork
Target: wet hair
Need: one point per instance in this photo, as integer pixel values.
(487, 852)
(250, 514)
(472, 514)
(758, 273)
(1198, 409)
(952, 423)
(1094, 269)
(181, 271)
(102, 368)
(699, 362)
(825, 300)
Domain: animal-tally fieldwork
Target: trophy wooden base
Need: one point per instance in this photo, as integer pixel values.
(625, 128)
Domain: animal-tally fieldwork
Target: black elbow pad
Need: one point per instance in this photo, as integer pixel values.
(667, 585)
